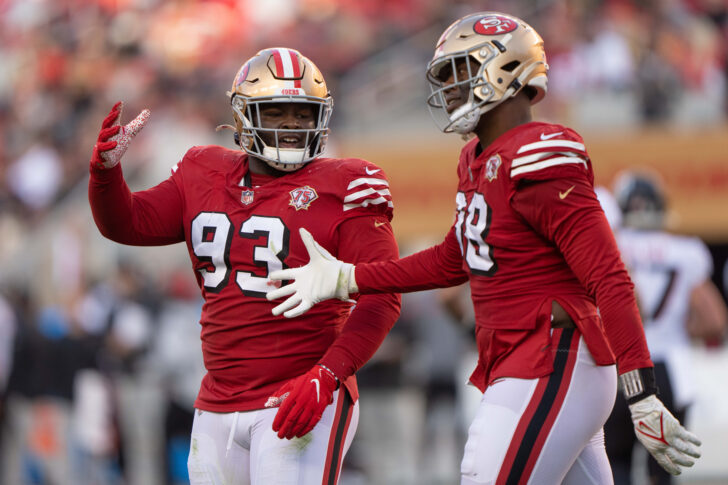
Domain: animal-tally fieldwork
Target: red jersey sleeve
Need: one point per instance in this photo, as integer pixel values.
(550, 155)
(151, 217)
(366, 238)
(565, 210)
(365, 190)
(440, 266)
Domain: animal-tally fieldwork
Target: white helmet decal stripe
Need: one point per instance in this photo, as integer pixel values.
(285, 69)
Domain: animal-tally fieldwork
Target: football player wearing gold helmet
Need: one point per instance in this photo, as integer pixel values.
(554, 305)
(263, 89)
(278, 404)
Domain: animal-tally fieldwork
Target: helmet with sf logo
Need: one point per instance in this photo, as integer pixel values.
(274, 76)
(503, 55)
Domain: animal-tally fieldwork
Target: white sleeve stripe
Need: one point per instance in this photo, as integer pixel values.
(365, 192)
(378, 200)
(370, 181)
(517, 162)
(552, 144)
(547, 163)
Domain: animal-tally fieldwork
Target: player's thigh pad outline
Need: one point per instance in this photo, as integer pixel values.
(533, 430)
(252, 453)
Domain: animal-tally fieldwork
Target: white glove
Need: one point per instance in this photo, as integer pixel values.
(324, 277)
(663, 436)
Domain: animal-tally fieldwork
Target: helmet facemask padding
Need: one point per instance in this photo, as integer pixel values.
(249, 126)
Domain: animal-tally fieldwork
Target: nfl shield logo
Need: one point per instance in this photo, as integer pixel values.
(247, 197)
(302, 197)
(491, 167)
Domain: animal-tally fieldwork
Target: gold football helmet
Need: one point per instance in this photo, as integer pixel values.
(502, 55)
(273, 76)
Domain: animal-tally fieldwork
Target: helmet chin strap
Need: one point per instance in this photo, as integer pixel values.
(465, 118)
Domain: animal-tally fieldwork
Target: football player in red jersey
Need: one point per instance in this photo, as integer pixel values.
(268, 377)
(555, 309)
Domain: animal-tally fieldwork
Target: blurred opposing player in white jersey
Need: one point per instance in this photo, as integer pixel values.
(678, 303)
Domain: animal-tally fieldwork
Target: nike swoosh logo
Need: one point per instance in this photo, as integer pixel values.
(562, 195)
(379, 223)
(371, 172)
(642, 426)
(318, 386)
(552, 135)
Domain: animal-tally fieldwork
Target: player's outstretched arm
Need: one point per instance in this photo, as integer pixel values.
(323, 278)
(672, 446)
(114, 139)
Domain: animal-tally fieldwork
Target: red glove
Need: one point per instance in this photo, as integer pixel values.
(114, 139)
(302, 402)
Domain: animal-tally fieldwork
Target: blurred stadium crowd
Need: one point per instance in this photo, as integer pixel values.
(99, 348)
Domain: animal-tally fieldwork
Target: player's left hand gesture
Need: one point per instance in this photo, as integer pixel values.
(302, 402)
(114, 139)
(664, 437)
(324, 277)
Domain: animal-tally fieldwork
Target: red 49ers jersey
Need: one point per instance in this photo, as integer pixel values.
(236, 234)
(528, 230)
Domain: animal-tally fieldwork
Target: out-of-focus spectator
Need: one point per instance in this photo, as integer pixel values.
(34, 191)
(8, 328)
(50, 350)
(175, 359)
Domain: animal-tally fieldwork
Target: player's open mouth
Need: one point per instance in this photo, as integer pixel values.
(290, 141)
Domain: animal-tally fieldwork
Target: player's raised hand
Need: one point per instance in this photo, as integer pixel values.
(324, 277)
(114, 139)
(664, 437)
(302, 401)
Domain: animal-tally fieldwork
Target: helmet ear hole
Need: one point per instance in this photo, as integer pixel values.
(531, 92)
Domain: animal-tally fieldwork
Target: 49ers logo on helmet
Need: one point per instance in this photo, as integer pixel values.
(243, 74)
(494, 25)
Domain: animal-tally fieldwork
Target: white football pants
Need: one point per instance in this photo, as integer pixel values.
(544, 431)
(242, 449)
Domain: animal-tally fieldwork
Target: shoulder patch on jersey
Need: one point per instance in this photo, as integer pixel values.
(492, 166)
